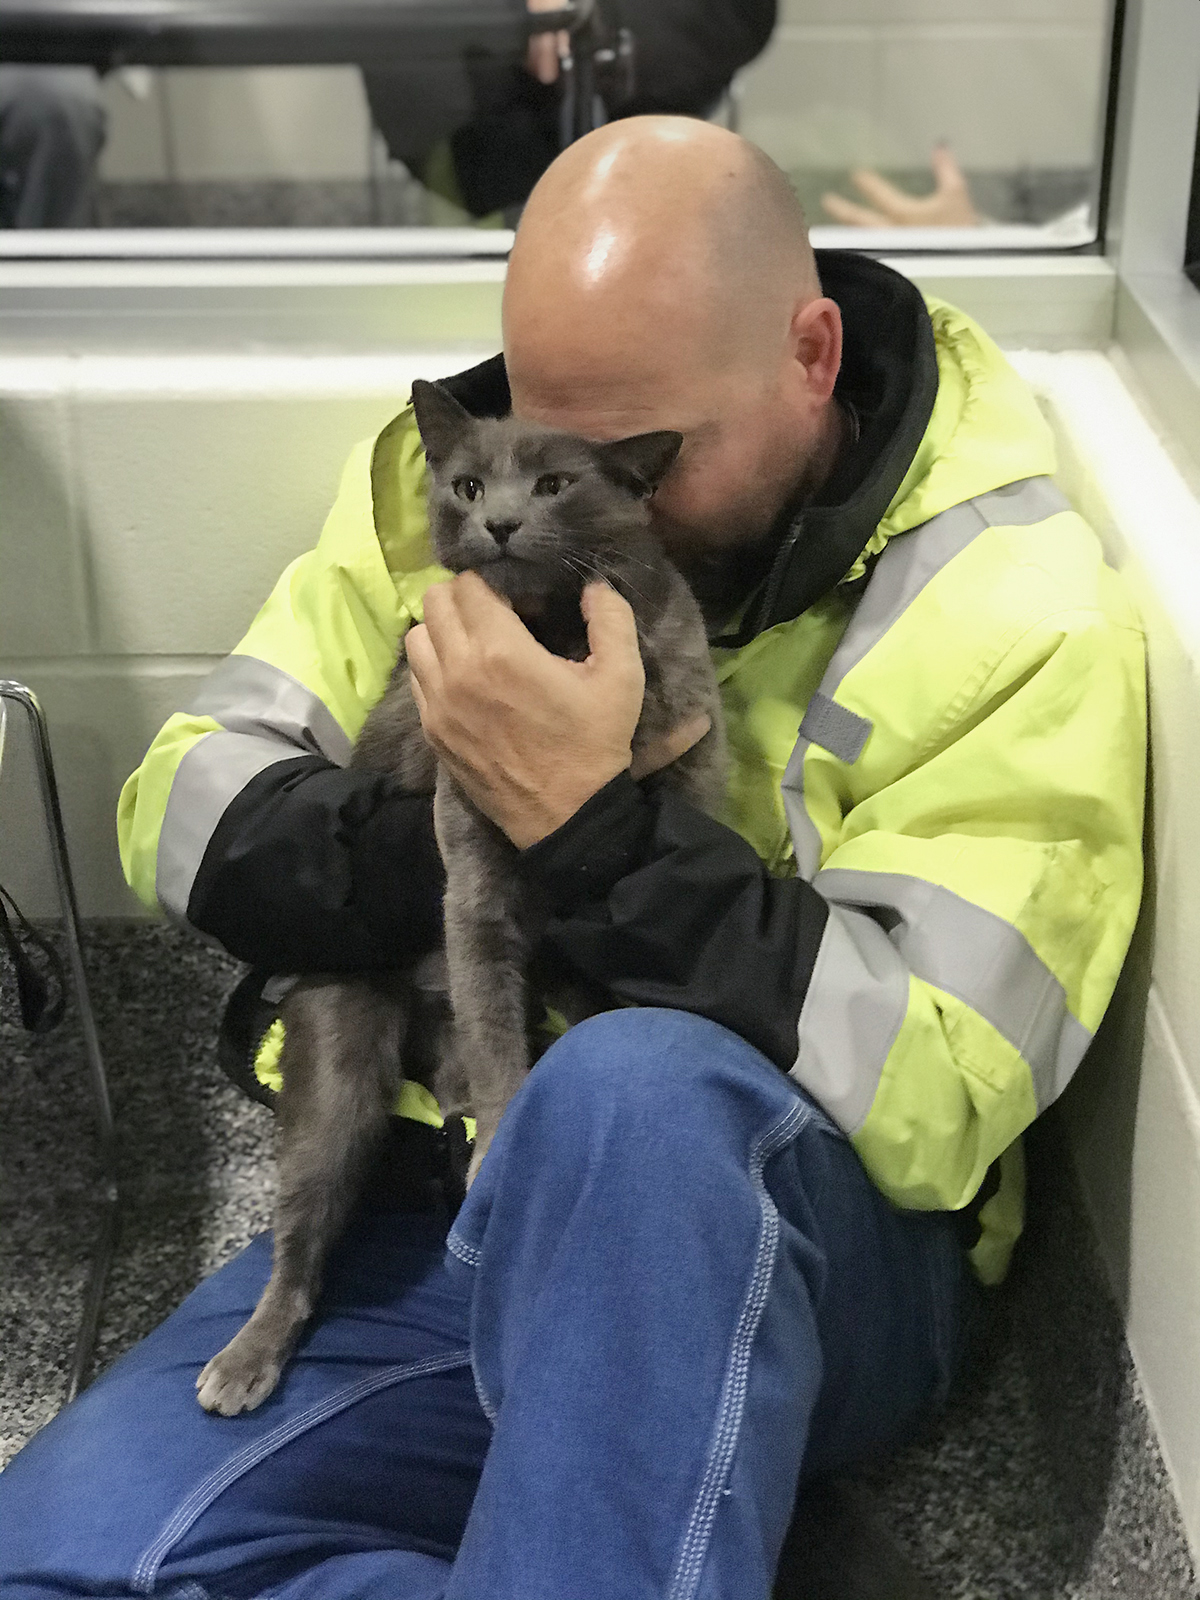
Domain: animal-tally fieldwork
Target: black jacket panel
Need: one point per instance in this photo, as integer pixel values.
(320, 868)
(650, 898)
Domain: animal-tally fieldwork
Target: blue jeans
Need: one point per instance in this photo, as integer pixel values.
(671, 1290)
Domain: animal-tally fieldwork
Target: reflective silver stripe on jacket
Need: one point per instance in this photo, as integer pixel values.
(267, 716)
(856, 1002)
(975, 955)
(858, 993)
(909, 561)
(208, 779)
(246, 695)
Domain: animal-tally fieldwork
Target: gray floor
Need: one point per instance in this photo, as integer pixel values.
(1042, 1479)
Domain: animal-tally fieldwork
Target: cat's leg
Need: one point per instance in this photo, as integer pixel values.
(701, 773)
(341, 1071)
(486, 954)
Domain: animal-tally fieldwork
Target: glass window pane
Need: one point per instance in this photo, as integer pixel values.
(980, 120)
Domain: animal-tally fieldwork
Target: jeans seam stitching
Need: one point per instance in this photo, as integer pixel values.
(197, 1503)
(490, 1410)
(733, 1398)
(468, 1254)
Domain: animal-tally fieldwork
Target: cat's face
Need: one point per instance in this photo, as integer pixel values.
(535, 512)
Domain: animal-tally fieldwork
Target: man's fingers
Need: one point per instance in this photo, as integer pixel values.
(611, 628)
(660, 753)
(953, 190)
(854, 216)
(478, 605)
(545, 49)
(424, 668)
(879, 192)
(947, 173)
(542, 59)
(447, 635)
(465, 613)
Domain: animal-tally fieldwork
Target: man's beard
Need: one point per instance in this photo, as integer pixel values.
(723, 579)
(725, 572)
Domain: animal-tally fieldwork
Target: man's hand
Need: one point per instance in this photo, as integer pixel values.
(528, 735)
(545, 49)
(949, 206)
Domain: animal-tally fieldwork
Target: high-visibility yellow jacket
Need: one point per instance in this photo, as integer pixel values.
(924, 882)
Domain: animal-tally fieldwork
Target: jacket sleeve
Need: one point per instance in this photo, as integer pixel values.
(937, 982)
(663, 906)
(244, 818)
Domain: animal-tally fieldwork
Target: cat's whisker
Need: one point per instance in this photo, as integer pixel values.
(589, 567)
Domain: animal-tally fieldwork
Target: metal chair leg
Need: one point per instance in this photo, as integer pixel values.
(106, 1242)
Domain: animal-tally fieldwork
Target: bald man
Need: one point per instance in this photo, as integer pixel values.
(725, 1235)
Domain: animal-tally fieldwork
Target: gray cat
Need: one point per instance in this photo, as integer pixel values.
(538, 514)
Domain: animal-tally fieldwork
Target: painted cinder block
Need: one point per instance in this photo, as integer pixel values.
(810, 99)
(135, 148)
(270, 122)
(1007, 99)
(1133, 1113)
(1117, 473)
(1006, 94)
(42, 592)
(195, 505)
(895, 14)
(102, 716)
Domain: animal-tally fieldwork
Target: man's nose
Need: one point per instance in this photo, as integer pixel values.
(502, 532)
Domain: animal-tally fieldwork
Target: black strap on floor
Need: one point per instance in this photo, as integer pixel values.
(41, 987)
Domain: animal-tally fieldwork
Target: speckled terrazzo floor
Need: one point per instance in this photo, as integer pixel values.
(1041, 1480)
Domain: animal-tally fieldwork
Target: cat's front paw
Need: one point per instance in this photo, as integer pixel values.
(239, 1377)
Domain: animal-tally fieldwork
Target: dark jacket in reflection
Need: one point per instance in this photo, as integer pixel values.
(503, 126)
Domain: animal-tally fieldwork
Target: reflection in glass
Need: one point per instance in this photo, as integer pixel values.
(952, 115)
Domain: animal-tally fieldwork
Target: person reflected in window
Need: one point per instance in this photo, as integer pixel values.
(1027, 198)
(52, 129)
(483, 130)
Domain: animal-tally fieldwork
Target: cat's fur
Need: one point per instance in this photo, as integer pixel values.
(555, 511)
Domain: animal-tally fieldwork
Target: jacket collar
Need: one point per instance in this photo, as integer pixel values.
(888, 381)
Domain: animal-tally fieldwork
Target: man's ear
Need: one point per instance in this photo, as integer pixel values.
(442, 421)
(641, 462)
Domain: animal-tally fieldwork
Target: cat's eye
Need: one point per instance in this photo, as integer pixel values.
(468, 488)
(552, 483)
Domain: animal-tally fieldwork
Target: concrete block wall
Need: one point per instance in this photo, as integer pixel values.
(147, 506)
(879, 82)
(210, 123)
(1133, 1112)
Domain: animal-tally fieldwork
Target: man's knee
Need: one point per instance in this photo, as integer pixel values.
(650, 1067)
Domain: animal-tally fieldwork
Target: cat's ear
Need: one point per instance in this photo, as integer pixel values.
(640, 463)
(442, 421)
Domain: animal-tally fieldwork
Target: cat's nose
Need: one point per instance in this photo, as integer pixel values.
(502, 532)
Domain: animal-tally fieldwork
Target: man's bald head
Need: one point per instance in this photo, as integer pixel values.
(662, 277)
(664, 230)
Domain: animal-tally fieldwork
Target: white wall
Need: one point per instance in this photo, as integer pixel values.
(148, 504)
(1010, 83)
(1134, 1111)
(213, 123)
